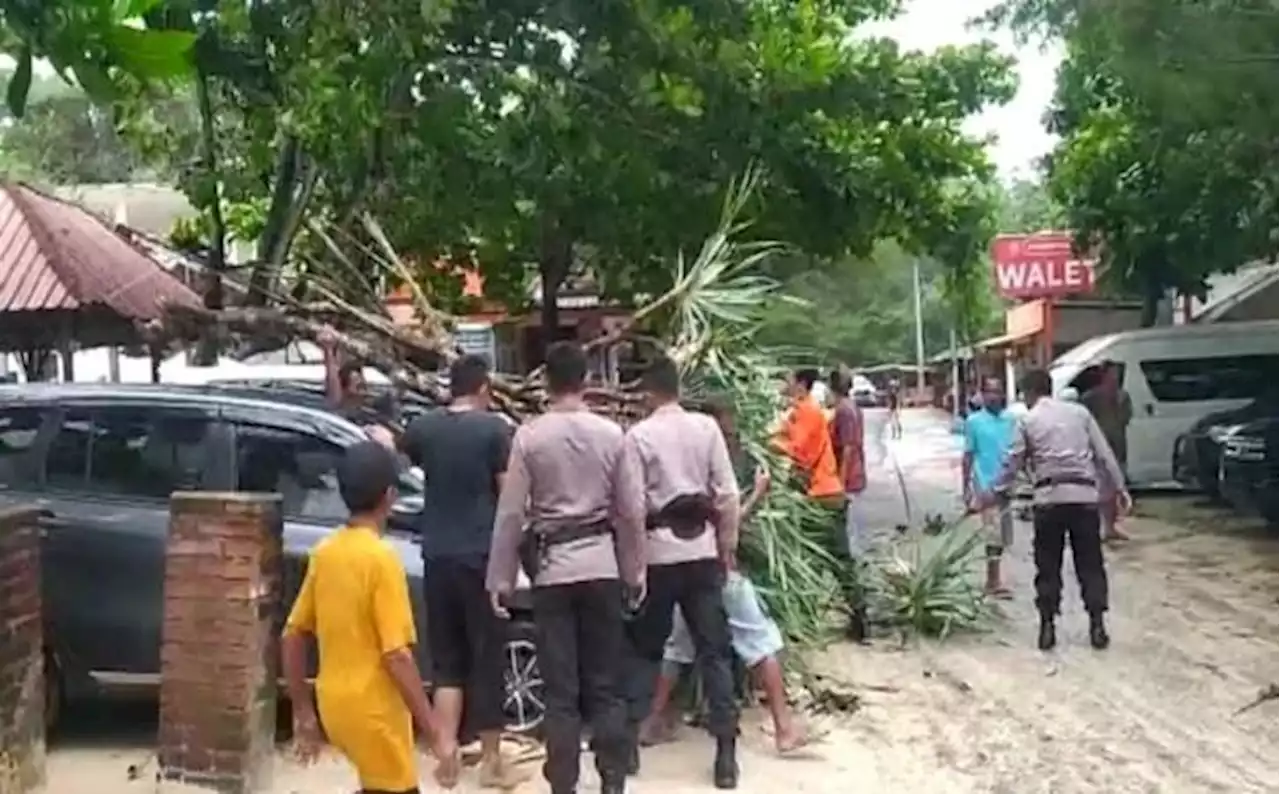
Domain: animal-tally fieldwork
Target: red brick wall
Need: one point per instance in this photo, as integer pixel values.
(219, 651)
(22, 753)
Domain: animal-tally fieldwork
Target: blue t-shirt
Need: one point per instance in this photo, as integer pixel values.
(987, 437)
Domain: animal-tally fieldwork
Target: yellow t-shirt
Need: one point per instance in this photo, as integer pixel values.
(355, 600)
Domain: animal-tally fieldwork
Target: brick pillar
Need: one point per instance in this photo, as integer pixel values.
(22, 756)
(219, 653)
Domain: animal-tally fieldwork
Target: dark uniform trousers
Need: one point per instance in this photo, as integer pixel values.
(581, 647)
(1055, 524)
(697, 588)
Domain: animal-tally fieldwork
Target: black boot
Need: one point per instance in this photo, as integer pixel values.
(633, 758)
(725, 771)
(1048, 634)
(1098, 636)
(611, 784)
(857, 630)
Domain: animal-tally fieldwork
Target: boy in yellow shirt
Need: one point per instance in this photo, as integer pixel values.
(355, 601)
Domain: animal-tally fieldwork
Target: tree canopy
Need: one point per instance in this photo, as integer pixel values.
(861, 310)
(533, 138)
(1167, 171)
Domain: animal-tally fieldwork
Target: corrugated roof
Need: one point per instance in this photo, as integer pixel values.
(55, 256)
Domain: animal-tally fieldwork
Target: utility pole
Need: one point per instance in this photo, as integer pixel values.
(915, 272)
(955, 375)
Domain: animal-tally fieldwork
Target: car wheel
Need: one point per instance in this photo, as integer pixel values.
(1269, 509)
(1209, 486)
(524, 700)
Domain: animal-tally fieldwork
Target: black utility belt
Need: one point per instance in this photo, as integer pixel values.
(1049, 482)
(536, 544)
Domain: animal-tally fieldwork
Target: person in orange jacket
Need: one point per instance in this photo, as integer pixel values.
(805, 437)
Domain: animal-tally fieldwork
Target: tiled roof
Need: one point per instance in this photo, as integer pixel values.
(55, 256)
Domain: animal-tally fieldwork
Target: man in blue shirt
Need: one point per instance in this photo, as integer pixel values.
(987, 435)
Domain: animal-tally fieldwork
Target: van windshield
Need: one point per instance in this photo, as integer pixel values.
(1062, 376)
(1083, 354)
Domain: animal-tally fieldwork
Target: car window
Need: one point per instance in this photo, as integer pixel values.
(1210, 378)
(19, 453)
(129, 451)
(67, 465)
(299, 467)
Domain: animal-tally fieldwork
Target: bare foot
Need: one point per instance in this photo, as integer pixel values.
(999, 592)
(1115, 533)
(657, 730)
(448, 770)
(791, 738)
(500, 774)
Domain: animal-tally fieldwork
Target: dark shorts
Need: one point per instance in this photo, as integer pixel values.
(465, 639)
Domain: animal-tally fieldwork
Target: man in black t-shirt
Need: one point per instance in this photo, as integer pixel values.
(462, 450)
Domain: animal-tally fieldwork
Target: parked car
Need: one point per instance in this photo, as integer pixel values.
(864, 392)
(101, 461)
(1197, 452)
(1248, 470)
(1175, 375)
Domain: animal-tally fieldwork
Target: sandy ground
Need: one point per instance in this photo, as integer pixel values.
(1194, 625)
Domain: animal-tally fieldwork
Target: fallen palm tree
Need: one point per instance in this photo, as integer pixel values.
(704, 321)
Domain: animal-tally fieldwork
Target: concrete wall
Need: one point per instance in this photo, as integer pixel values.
(1074, 323)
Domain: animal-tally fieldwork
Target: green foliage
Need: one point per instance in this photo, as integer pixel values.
(860, 311)
(64, 137)
(1025, 207)
(1172, 174)
(98, 43)
(928, 584)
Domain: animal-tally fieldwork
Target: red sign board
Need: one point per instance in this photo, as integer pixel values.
(1040, 266)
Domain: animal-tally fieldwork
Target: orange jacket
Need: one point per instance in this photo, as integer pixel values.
(806, 438)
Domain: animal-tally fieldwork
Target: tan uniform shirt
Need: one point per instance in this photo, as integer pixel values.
(678, 453)
(1059, 440)
(566, 469)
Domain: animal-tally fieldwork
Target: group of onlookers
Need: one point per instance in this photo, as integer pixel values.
(628, 538)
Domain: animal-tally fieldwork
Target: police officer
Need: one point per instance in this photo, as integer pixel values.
(690, 498)
(560, 516)
(1071, 463)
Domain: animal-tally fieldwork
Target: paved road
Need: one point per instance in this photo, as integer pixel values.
(925, 463)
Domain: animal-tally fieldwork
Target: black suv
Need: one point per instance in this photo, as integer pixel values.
(102, 460)
(1250, 471)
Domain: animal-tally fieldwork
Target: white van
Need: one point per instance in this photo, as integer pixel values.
(1174, 375)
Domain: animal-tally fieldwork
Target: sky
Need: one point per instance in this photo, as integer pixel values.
(1020, 137)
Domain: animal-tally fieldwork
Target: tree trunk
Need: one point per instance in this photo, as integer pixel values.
(207, 349)
(276, 237)
(554, 262)
(1152, 293)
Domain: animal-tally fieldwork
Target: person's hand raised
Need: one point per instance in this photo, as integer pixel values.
(327, 337)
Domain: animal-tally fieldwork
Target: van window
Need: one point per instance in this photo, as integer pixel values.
(1211, 378)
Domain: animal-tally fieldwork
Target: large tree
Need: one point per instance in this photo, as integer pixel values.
(549, 135)
(1167, 112)
(602, 134)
